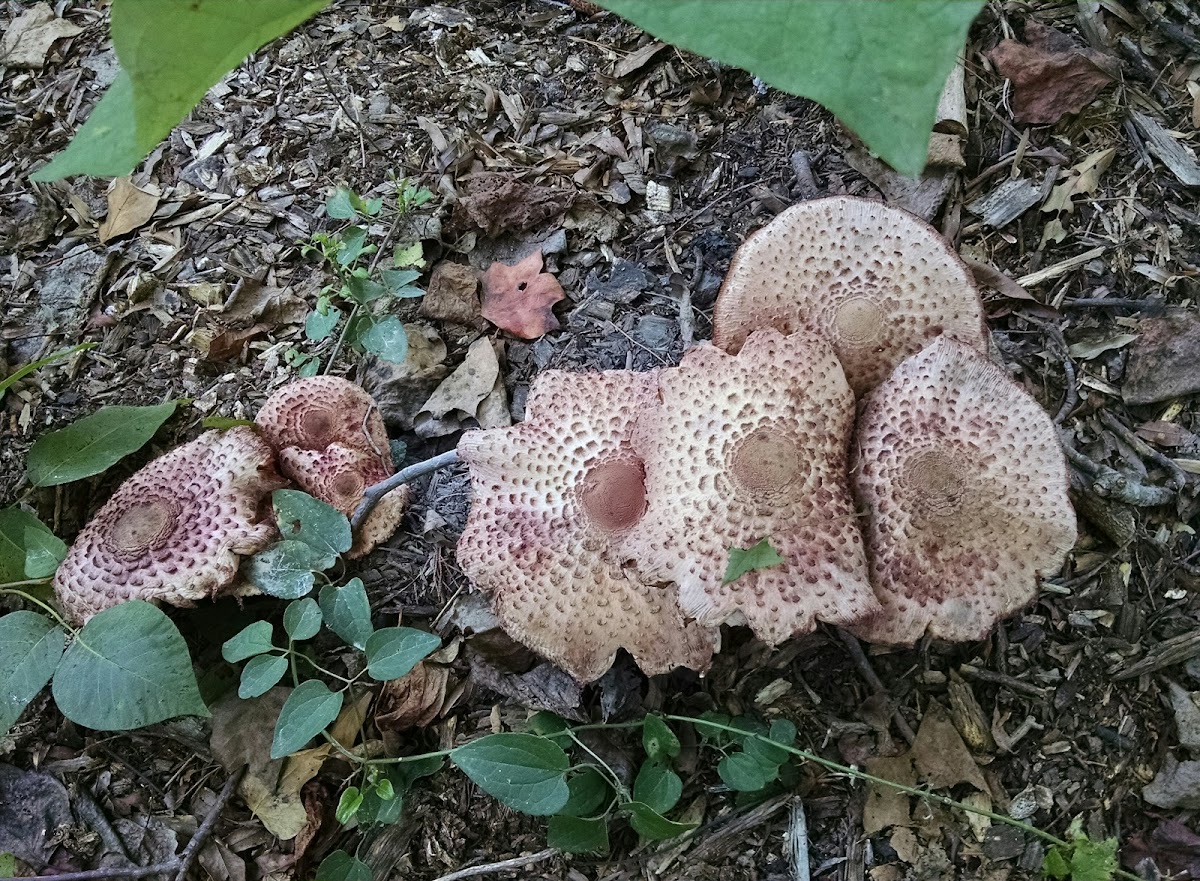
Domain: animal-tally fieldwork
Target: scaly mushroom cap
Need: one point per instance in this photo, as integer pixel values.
(318, 411)
(876, 281)
(745, 448)
(554, 498)
(964, 485)
(175, 531)
(339, 476)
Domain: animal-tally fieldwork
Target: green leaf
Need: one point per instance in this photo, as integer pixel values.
(27, 548)
(409, 254)
(322, 527)
(398, 282)
(717, 735)
(761, 556)
(308, 711)
(524, 771)
(550, 726)
(744, 773)
(588, 791)
(302, 619)
(320, 324)
(338, 206)
(284, 570)
(384, 337)
(658, 739)
(386, 791)
(127, 668)
(34, 366)
(30, 647)
(577, 835)
(251, 640)
(364, 290)
(1055, 865)
(261, 674)
(657, 786)
(392, 652)
(171, 53)
(348, 805)
(652, 825)
(347, 612)
(878, 66)
(340, 866)
(223, 422)
(783, 732)
(354, 241)
(93, 443)
(1093, 860)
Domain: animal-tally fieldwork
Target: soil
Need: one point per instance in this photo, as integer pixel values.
(1065, 710)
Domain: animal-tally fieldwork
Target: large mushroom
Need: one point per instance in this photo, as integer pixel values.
(964, 486)
(745, 448)
(333, 444)
(176, 530)
(555, 498)
(877, 282)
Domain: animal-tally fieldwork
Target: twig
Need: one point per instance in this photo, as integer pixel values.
(1181, 34)
(1109, 483)
(502, 866)
(377, 491)
(802, 168)
(193, 847)
(1179, 477)
(970, 671)
(798, 842)
(863, 663)
(687, 324)
(1150, 306)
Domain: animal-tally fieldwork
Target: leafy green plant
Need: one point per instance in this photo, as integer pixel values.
(1081, 858)
(365, 290)
(879, 65)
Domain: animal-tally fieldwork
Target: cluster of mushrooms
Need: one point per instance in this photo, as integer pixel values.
(846, 412)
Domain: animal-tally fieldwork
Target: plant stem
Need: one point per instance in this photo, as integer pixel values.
(46, 607)
(337, 346)
(377, 491)
(612, 775)
(321, 669)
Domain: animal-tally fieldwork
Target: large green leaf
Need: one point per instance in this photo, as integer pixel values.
(524, 771)
(30, 647)
(650, 824)
(253, 639)
(171, 53)
(320, 526)
(878, 65)
(285, 570)
(578, 835)
(347, 611)
(392, 652)
(27, 548)
(127, 668)
(657, 786)
(93, 443)
(309, 709)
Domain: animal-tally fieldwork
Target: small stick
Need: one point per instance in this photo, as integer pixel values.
(863, 663)
(1149, 306)
(687, 324)
(193, 847)
(1109, 483)
(502, 866)
(798, 842)
(805, 180)
(377, 491)
(1179, 477)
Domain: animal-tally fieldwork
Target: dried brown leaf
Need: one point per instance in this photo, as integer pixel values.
(1050, 76)
(29, 37)
(520, 298)
(128, 208)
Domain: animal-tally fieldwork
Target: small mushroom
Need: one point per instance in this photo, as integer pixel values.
(964, 485)
(877, 282)
(745, 448)
(315, 412)
(554, 499)
(338, 476)
(176, 530)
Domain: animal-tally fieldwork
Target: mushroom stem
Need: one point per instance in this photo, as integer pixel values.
(377, 491)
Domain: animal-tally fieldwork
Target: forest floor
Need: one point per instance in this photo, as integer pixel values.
(637, 170)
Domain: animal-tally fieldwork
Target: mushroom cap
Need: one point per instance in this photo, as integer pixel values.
(315, 412)
(877, 282)
(964, 484)
(745, 448)
(339, 475)
(177, 529)
(554, 498)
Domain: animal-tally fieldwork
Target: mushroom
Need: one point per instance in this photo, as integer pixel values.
(745, 448)
(176, 530)
(878, 282)
(314, 412)
(339, 475)
(964, 485)
(333, 444)
(554, 499)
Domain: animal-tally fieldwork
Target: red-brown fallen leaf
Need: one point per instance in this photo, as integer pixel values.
(1051, 77)
(521, 298)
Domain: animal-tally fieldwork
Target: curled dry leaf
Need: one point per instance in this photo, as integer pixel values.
(1051, 76)
(29, 37)
(128, 208)
(520, 298)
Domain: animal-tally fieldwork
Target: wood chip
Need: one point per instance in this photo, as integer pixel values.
(1179, 159)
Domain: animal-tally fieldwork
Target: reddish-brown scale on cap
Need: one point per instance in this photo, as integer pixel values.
(964, 485)
(876, 281)
(745, 448)
(339, 476)
(176, 530)
(554, 500)
(315, 412)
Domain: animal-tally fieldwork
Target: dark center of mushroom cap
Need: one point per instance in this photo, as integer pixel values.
(613, 493)
(937, 480)
(317, 428)
(141, 528)
(348, 485)
(765, 462)
(858, 320)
